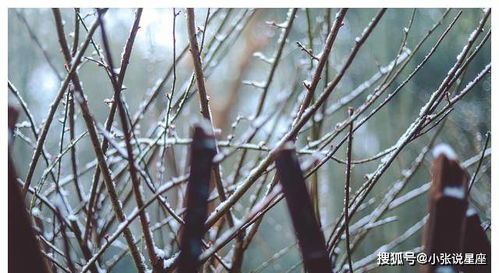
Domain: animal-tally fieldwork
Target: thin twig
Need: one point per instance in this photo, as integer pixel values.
(156, 263)
(473, 178)
(203, 99)
(93, 133)
(347, 191)
(127, 51)
(73, 64)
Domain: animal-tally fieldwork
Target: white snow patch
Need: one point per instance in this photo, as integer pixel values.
(445, 149)
(160, 253)
(470, 212)
(36, 212)
(218, 157)
(72, 218)
(169, 263)
(456, 192)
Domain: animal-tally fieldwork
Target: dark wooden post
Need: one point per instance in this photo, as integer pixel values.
(447, 207)
(203, 150)
(476, 242)
(24, 249)
(310, 237)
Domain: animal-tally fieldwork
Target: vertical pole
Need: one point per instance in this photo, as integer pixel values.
(310, 237)
(203, 149)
